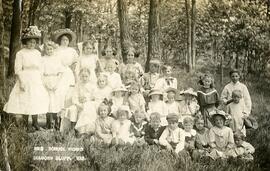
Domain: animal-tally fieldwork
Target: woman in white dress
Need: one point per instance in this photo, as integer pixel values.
(68, 57)
(28, 96)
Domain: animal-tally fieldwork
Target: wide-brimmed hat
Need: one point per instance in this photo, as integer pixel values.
(172, 117)
(189, 91)
(66, 31)
(119, 88)
(218, 112)
(155, 91)
(32, 32)
(170, 89)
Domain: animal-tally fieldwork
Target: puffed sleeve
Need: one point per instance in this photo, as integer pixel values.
(247, 99)
(180, 146)
(18, 63)
(225, 95)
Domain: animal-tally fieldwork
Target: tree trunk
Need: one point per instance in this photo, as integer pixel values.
(153, 33)
(2, 57)
(2, 29)
(124, 27)
(15, 42)
(188, 28)
(68, 16)
(193, 33)
(32, 11)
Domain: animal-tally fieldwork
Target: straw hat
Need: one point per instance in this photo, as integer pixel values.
(170, 89)
(58, 33)
(155, 91)
(119, 88)
(218, 112)
(189, 91)
(32, 32)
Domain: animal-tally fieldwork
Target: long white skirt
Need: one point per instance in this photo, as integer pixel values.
(33, 100)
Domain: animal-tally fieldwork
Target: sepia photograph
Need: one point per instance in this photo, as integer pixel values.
(139, 85)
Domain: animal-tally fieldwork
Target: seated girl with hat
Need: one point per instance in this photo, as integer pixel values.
(220, 137)
(118, 98)
(121, 127)
(189, 106)
(157, 104)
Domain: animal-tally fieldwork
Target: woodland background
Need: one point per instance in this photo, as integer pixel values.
(192, 35)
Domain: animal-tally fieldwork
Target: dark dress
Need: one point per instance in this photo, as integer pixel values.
(208, 100)
(151, 134)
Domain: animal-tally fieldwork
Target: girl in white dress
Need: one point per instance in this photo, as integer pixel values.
(102, 90)
(135, 98)
(114, 79)
(121, 127)
(157, 104)
(85, 112)
(172, 105)
(107, 58)
(131, 64)
(118, 98)
(28, 96)
(167, 80)
(68, 57)
(53, 71)
(89, 60)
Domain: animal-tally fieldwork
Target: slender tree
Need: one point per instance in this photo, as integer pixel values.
(153, 33)
(193, 33)
(1, 32)
(14, 45)
(188, 33)
(124, 27)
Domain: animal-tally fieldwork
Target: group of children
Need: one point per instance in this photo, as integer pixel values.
(120, 104)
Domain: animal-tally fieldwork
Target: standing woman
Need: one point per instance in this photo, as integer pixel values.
(28, 96)
(68, 57)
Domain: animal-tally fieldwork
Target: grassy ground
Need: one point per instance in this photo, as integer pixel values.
(101, 157)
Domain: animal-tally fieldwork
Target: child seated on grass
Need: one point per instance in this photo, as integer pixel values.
(189, 106)
(220, 137)
(157, 104)
(103, 124)
(121, 127)
(82, 114)
(118, 98)
(243, 149)
(173, 137)
(201, 139)
(137, 127)
(102, 90)
(190, 134)
(135, 98)
(172, 105)
(153, 129)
